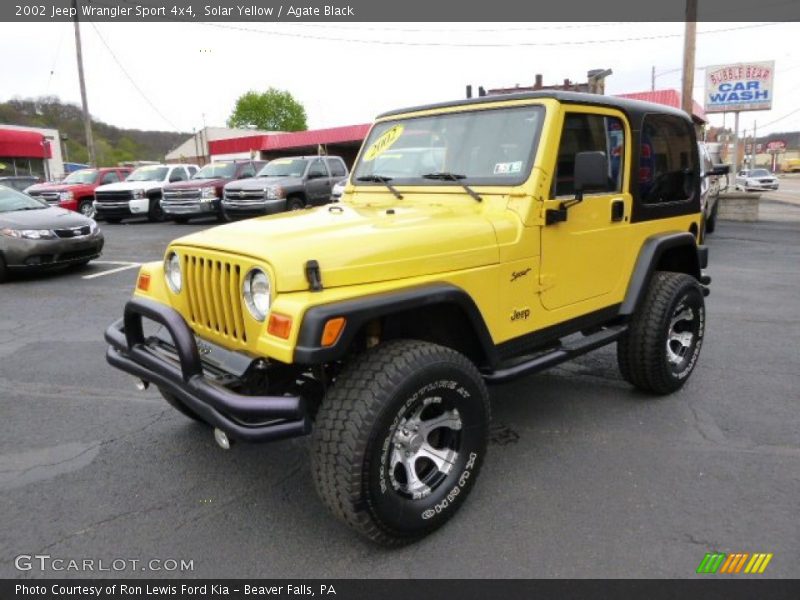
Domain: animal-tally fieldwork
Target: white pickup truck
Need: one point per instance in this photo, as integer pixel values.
(140, 193)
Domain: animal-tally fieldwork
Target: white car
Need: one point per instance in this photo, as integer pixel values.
(751, 180)
(140, 193)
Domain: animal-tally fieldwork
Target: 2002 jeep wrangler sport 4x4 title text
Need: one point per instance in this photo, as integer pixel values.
(476, 241)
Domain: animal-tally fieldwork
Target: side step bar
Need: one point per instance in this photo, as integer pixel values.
(556, 356)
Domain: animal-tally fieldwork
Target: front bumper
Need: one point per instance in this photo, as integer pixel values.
(31, 254)
(241, 417)
(760, 187)
(190, 207)
(249, 207)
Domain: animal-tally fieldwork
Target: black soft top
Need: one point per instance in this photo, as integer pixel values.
(633, 108)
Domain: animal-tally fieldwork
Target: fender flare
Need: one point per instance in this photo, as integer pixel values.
(358, 312)
(653, 249)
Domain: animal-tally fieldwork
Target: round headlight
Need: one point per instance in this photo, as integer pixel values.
(172, 272)
(256, 292)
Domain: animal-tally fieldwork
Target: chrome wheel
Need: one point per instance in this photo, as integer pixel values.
(426, 445)
(681, 334)
(87, 209)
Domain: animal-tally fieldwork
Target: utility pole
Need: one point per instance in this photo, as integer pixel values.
(689, 38)
(753, 155)
(87, 120)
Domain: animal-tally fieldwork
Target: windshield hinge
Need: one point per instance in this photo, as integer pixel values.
(314, 276)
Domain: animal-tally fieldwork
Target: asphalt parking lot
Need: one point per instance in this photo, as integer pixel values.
(585, 477)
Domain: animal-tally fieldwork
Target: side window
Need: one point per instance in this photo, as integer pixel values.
(588, 133)
(109, 177)
(336, 167)
(192, 171)
(668, 162)
(247, 170)
(177, 174)
(317, 169)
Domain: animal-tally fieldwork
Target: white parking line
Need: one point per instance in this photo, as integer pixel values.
(125, 266)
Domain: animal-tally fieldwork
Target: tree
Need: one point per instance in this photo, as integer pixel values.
(273, 110)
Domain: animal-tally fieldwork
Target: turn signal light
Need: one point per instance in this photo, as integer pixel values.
(333, 329)
(144, 282)
(279, 325)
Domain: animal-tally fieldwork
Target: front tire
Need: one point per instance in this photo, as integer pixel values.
(400, 439)
(155, 214)
(295, 203)
(86, 208)
(660, 349)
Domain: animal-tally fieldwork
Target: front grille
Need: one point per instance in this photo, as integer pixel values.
(51, 197)
(80, 254)
(215, 298)
(74, 232)
(243, 197)
(187, 194)
(114, 196)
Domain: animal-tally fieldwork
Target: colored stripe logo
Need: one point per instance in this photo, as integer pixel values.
(736, 562)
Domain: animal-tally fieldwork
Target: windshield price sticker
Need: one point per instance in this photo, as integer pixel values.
(508, 168)
(383, 143)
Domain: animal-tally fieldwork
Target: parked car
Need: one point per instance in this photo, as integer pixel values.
(19, 182)
(375, 324)
(140, 194)
(201, 195)
(76, 190)
(35, 235)
(756, 180)
(284, 184)
(713, 180)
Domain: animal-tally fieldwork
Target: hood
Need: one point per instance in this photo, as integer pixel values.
(129, 185)
(45, 218)
(193, 184)
(57, 187)
(259, 183)
(356, 245)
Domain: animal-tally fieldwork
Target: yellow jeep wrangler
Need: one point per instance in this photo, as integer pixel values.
(476, 241)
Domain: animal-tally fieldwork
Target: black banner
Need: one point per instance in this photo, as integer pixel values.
(390, 589)
(391, 10)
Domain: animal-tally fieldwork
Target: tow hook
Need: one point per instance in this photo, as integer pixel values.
(142, 385)
(222, 439)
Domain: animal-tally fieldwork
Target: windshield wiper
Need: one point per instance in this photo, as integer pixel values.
(384, 180)
(445, 176)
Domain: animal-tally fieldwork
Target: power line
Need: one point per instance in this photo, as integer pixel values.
(55, 59)
(133, 83)
(478, 45)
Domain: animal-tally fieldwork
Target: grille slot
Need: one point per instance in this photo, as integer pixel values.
(111, 196)
(214, 298)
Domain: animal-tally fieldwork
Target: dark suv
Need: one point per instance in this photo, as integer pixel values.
(284, 184)
(200, 196)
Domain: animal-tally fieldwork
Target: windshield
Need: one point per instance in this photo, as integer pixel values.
(759, 173)
(491, 146)
(151, 173)
(82, 176)
(284, 167)
(216, 171)
(11, 200)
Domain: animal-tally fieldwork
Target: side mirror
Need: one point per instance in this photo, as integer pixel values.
(591, 172)
(720, 170)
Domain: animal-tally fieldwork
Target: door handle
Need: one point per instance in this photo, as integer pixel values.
(617, 210)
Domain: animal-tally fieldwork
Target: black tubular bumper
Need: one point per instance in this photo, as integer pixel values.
(244, 418)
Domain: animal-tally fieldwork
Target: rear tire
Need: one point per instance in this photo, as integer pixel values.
(660, 349)
(400, 439)
(180, 406)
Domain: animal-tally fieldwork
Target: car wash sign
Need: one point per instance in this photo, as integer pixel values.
(740, 86)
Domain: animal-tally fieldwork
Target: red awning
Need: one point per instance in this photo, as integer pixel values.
(282, 141)
(668, 98)
(15, 143)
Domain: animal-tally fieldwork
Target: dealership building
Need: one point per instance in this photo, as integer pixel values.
(30, 151)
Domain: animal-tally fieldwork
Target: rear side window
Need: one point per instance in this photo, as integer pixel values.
(590, 133)
(336, 167)
(247, 170)
(317, 169)
(178, 174)
(668, 160)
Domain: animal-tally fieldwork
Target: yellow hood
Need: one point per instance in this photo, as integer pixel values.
(356, 245)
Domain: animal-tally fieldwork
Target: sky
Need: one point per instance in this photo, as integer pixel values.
(180, 76)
